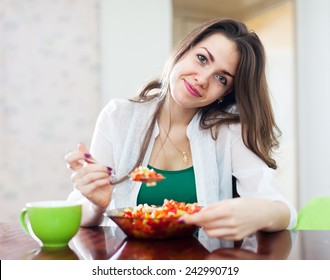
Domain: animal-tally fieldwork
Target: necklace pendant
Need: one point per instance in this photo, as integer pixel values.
(185, 158)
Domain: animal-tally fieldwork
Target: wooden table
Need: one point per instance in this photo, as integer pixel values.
(105, 242)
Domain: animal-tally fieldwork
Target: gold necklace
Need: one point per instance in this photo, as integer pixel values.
(185, 158)
(184, 154)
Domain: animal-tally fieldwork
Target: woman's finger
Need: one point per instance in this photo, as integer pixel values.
(75, 160)
(202, 217)
(90, 168)
(82, 148)
(74, 165)
(98, 192)
(90, 178)
(89, 189)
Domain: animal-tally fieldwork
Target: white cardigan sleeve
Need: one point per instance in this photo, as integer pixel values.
(254, 177)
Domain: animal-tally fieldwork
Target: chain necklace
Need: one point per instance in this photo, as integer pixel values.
(185, 158)
(184, 154)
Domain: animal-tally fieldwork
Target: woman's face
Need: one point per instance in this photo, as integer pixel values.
(205, 73)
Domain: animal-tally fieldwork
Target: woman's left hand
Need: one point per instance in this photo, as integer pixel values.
(234, 219)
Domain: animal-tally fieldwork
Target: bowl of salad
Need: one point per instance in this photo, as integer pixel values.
(155, 222)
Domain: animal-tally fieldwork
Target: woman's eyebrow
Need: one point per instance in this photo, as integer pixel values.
(212, 59)
(210, 55)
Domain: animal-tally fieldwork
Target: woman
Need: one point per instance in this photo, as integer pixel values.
(208, 119)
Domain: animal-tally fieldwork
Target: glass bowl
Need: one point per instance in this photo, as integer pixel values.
(153, 228)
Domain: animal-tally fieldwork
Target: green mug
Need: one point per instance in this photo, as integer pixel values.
(53, 223)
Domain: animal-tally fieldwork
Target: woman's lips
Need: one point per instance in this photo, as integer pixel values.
(192, 90)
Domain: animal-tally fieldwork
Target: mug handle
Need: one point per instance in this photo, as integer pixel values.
(23, 221)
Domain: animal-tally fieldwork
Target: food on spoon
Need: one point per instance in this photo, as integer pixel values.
(146, 175)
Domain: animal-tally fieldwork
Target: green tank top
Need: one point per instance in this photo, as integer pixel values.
(179, 185)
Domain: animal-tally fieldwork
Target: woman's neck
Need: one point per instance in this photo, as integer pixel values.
(175, 114)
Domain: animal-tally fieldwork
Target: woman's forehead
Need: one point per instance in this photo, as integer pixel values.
(220, 49)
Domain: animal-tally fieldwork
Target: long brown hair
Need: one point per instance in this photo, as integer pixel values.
(250, 91)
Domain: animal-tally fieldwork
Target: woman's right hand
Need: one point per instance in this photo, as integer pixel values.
(89, 177)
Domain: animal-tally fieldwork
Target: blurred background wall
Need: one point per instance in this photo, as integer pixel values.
(49, 95)
(61, 61)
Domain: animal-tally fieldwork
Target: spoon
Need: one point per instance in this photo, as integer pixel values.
(146, 175)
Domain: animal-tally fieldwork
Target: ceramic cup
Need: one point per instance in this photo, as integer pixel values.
(53, 223)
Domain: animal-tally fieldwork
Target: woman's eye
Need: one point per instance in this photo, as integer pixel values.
(202, 58)
(221, 79)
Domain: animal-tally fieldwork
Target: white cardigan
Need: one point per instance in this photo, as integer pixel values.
(117, 139)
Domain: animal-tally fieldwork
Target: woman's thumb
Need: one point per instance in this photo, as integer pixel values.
(82, 148)
(88, 157)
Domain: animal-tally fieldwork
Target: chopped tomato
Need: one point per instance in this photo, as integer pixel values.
(144, 173)
(170, 208)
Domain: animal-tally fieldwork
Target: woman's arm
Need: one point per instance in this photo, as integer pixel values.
(234, 219)
(92, 180)
(92, 215)
(92, 186)
(259, 207)
(256, 180)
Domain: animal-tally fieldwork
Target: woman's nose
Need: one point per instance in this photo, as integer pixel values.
(202, 79)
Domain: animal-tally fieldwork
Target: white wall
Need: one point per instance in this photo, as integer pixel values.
(54, 79)
(49, 95)
(136, 40)
(276, 29)
(313, 97)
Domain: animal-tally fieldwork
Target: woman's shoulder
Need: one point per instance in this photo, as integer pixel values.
(117, 103)
(125, 105)
(235, 128)
(230, 128)
(231, 132)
